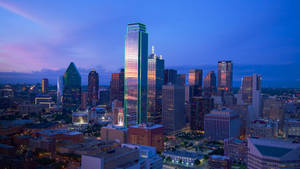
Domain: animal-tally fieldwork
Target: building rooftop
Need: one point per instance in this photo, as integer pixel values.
(147, 126)
(273, 147)
(13, 123)
(58, 131)
(116, 127)
(219, 157)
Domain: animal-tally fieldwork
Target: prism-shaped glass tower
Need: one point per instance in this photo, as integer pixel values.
(71, 89)
(136, 68)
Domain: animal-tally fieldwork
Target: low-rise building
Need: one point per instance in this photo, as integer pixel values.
(147, 134)
(114, 133)
(217, 162)
(183, 157)
(265, 128)
(292, 128)
(236, 149)
(121, 157)
(61, 134)
(273, 153)
(149, 159)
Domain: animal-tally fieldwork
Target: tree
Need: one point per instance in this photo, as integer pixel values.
(169, 159)
(197, 162)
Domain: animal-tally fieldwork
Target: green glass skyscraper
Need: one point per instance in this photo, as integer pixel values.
(71, 89)
(136, 68)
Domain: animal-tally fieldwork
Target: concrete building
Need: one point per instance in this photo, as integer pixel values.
(121, 157)
(185, 157)
(45, 86)
(273, 153)
(114, 133)
(221, 124)
(236, 149)
(292, 128)
(147, 134)
(199, 107)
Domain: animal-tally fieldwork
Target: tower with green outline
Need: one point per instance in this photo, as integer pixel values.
(136, 69)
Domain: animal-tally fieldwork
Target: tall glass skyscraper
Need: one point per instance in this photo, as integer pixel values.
(225, 77)
(156, 66)
(71, 89)
(136, 69)
(93, 88)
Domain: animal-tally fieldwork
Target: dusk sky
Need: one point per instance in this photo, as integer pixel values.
(38, 35)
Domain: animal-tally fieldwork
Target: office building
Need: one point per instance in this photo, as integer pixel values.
(136, 70)
(236, 150)
(273, 108)
(173, 108)
(117, 86)
(155, 81)
(218, 161)
(264, 128)
(273, 153)
(45, 86)
(84, 100)
(195, 77)
(71, 89)
(114, 133)
(221, 124)
(210, 85)
(45, 101)
(225, 70)
(149, 159)
(147, 134)
(170, 76)
(104, 96)
(120, 157)
(292, 128)
(199, 107)
(93, 88)
(80, 118)
(181, 79)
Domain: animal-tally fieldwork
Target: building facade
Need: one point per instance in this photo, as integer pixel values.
(136, 68)
(156, 68)
(71, 89)
(117, 87)
(221, 124)
(210, 85)
(225, 69)
(173, 108)
(45, 86)
(93, 88)
(199, 107)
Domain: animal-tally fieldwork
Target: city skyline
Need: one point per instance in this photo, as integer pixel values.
(57, 39)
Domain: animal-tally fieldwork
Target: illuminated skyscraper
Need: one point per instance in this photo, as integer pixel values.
(117, 87)
(155, 81)
(195, 77)
(225, 77)
(71, 89)
(210, 84)
(93, 88)
(45, 86)
(180, 79)
(250, 84)
(136, 69)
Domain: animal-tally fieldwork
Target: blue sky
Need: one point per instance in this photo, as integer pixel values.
(37, 35)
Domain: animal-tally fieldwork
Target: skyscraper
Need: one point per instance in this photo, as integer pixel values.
(45, 86)
(195, 77)
(136, 69)
(210, 84)
(155, 81)
(173, 107)
(250, 84)
(93, 88)
(71, 89)
(225, 77)
(180, 79)
(199, 107)
(59, 90)
(117, 86)
(170, 76)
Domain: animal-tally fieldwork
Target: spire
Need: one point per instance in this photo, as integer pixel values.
(152, 49)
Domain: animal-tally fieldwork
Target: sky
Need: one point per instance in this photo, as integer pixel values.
(47, 35)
